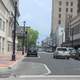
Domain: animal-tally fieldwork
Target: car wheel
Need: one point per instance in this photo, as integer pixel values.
(66, 57)
(54, 57)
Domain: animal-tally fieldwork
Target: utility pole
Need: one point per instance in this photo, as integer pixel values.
(14, 33)
(23, 46)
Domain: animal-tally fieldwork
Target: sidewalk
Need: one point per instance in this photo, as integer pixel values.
(5, 60)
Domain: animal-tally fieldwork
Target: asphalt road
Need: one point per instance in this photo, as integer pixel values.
(56, 66)
(36, 66)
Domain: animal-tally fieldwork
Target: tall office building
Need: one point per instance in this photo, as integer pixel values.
(60, 9)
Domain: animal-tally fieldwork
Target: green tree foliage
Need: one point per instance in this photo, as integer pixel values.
(31, 37)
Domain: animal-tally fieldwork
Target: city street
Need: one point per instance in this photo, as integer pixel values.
(35, 66)
(44, 65)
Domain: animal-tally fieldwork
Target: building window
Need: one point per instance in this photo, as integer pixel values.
(71, 16)
(71, 3)
(78, 6)
(60, 3)
(3, 41)
(59, 9)
(59, 22)
(0, 44)
(71, 9)
(66, 9)
(67, 3)
(3, 25)
(59, 15)
(0, 23)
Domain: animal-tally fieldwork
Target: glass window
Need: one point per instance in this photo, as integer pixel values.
(71, 3)
(59, 22)
(3, 25)
(59, 9)
(62, 49)
(3, 45)
(67, 3)
(0, 23)
(60, 3)
(0, 44)
(66, 9)
(71, 9)
(59, 15)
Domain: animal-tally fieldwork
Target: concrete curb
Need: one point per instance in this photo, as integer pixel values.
(13, 65)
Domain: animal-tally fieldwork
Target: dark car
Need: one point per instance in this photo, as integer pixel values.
(73, 53)
(33, 51)
(78, 53)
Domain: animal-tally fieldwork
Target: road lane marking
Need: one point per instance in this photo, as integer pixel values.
(49, 76)
(43, 75)
(49, 71)
(45, 53)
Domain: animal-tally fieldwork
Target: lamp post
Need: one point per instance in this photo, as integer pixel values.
(14, 33)
(23, 46)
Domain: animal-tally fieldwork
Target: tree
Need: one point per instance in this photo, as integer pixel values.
(31, 37)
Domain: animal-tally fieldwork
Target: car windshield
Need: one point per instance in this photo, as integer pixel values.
(62, 49)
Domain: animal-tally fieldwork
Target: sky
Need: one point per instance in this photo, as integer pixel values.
(37, 14)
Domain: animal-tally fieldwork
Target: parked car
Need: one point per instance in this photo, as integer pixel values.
(78, 54)
(61, 52)
(73, 53)
(33, 51)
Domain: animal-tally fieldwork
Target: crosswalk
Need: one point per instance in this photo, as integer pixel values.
(42, 77)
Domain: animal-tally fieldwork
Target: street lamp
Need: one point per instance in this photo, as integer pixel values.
(14, 33)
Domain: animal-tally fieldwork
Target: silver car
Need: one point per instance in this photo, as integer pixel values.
(61, 52)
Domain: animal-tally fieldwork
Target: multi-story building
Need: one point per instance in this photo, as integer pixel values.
(73, 30)
(74, 33)
(61, 8)
(20, 36)
(47, 44)
(6, 25)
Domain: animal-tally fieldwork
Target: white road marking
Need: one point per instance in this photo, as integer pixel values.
(47, 69)
(44, 74)
(45, 53)
(49, 76)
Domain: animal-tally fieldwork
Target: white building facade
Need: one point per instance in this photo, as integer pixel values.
(6, 26)
(61, 8)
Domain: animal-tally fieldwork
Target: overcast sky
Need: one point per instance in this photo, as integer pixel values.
(37, 14)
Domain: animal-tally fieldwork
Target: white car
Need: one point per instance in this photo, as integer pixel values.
(61, 52)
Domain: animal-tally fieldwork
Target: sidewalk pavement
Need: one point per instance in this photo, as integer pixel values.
(5, 60)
